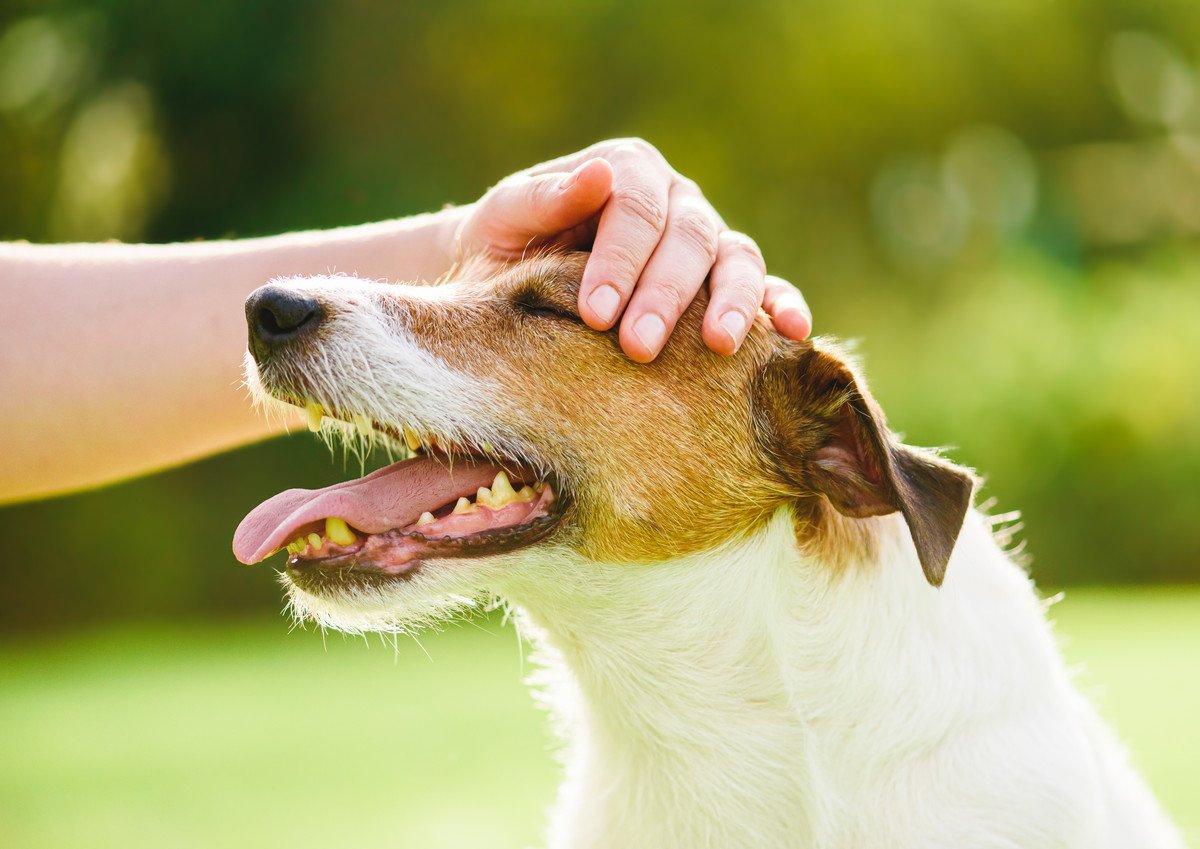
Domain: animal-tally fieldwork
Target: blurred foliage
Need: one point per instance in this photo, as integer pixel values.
(1001, 199)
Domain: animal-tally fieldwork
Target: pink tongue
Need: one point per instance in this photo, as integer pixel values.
(393, 497)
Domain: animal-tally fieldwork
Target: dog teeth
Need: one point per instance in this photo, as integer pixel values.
(313, 413)
(502, 491)
(362, 424)
(411, 439)
(299, 546)
(338, 531)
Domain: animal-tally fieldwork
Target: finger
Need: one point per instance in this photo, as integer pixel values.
(737, 285)
(674, 274)
(524, 209)
(630, 227)
(605, 149)
(579, 237)
(788, 310)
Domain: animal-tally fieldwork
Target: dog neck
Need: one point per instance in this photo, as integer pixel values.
(756, 696)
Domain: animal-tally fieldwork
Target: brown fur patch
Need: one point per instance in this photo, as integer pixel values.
(660, 458)
(682, 454)
(830, 438)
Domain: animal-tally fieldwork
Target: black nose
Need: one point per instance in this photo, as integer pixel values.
(277, 315)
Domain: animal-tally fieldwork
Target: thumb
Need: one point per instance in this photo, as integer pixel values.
(527, 208)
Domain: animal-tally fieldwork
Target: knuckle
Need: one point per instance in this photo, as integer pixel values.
(636, 143)
(625, 259)
(741, 291)
(635, 148)
(643, 205)
(671, 296)
(698, 230)
(626, 149)
(644, 147)
(738, 244)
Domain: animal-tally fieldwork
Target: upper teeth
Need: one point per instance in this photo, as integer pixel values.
(314, 414)
(362, 424)
(416, 442)
(500, 494)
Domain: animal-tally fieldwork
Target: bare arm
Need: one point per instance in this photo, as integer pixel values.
(122, 359)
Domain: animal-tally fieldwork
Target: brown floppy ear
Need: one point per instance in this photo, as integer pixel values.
(829, 438)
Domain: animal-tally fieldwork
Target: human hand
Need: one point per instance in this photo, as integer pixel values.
(655, 238)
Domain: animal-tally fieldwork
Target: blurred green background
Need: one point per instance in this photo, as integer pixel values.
(1000, 200)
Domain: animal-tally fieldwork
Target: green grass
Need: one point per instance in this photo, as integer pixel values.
(1137, 655)
(244, 736)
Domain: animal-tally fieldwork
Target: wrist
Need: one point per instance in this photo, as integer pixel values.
(419, 247)
(448, 237)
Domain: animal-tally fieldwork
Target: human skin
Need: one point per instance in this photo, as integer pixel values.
(125, 359)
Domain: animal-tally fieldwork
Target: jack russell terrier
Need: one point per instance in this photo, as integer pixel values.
(764, 622)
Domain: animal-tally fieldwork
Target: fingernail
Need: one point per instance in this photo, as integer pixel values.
(735, 325)
(651, 331)
(605, 301)
(800, 315)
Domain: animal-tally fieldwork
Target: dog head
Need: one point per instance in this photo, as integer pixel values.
(535, 434)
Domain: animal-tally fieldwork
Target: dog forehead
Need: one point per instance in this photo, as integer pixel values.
(554, 274)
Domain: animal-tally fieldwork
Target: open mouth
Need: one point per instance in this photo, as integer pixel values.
(438, 504)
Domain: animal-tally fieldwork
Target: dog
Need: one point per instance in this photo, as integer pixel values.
(763, 621)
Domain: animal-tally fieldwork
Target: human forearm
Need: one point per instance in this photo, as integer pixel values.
(121, 359)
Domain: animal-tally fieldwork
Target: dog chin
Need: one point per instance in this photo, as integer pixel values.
(398, 606)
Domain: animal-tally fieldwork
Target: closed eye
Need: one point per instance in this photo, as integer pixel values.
(533, 304)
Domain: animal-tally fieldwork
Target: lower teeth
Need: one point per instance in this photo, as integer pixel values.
(499, 495)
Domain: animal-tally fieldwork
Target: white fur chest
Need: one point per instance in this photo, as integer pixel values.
(754, 697)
